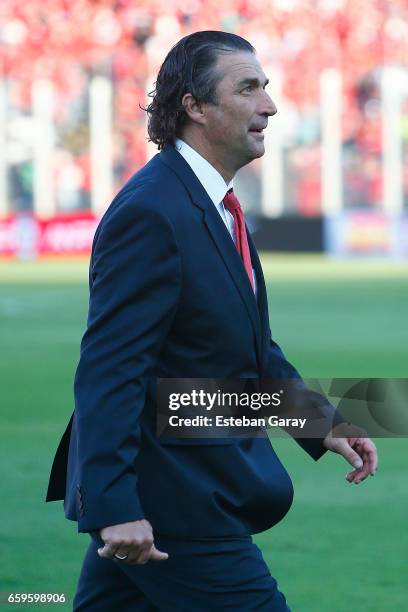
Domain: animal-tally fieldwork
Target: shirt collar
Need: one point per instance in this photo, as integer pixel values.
(208, 176)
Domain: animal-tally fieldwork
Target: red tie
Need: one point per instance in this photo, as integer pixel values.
(241, 241)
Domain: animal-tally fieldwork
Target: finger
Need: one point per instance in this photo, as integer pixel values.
(157, 555)
(142, 558)
(351, 456)
(151, 554)
(121, 552)
(107, 551)
(373, 460)
(351, 476)
(358, 476)
(369, 453)
(132, 559)
(363, 473)
(139, 554)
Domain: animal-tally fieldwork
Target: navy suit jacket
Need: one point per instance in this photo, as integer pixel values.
(169, 297)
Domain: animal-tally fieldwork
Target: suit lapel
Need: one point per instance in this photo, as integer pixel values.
(220, 236)
(233, 262)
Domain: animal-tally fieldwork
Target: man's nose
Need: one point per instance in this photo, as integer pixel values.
(267, 106)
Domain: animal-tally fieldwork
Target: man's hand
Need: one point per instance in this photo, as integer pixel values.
(131, 540)
(360, 452)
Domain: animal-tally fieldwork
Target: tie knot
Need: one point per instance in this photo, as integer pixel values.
(231, 202)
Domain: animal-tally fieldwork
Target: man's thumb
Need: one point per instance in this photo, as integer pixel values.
(352, 457)
(157, 555)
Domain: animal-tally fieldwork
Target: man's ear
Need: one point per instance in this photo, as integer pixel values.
(193, 109)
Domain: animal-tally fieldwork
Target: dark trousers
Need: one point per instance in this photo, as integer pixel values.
(199, 576)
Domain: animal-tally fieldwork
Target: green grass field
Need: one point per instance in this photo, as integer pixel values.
(342, 548)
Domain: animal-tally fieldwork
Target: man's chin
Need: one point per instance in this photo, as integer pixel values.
(250, 154)
(261, 150)
(257, 151)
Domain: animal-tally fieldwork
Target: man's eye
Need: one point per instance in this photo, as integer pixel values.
(248, 88)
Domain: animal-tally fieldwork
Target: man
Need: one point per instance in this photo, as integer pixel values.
(177, 291)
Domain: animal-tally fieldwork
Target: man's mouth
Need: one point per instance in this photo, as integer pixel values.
(257, 132)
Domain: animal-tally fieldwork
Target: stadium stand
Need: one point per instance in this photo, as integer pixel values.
(69, 41)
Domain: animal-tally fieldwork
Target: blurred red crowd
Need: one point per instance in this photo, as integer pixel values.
(67, 41)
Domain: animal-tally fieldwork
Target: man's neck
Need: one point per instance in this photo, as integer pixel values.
(205, 151)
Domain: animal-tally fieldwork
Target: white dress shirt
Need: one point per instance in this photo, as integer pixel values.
(213, 183)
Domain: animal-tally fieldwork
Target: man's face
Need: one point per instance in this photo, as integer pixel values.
(233, 127)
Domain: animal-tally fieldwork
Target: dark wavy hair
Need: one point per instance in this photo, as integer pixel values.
(188, 68)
